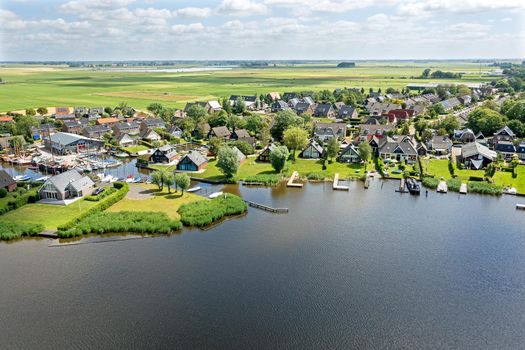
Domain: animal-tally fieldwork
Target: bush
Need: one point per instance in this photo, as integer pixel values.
(266, 179)
(430, 182)
(3, 192)
(138, 222)
(451, 167)
(17, 199)
(316, 176)
(484, 188)
(107, 192)
(13, 230)
(454, 184)
(206, 212)
(244, 147)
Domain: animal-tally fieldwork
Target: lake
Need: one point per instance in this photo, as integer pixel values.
(368, 269)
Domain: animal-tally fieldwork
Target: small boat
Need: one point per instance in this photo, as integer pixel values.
(520, 206)
(42, 179)
(194, 189)
(413, 186)
(22, 178)
(215, 195)
(511, 190)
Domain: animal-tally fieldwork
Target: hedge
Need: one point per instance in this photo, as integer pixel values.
(124, 221)
(13, 230)
(206, 212)
(266, 179)
(17, 199)
(107, 192)
(484, 188)
(454, 184)
(316, 176)
(122, 190)
(430, 182)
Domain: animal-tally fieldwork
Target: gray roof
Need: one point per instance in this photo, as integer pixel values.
(73, 123)
(333, 129)
(80, 184)
(240, 155)
(505, 146)
(323, 109)
(450, 103)
(506, 130)
(345, 111)
(474, 148)
(65, 138)
(61, 181)
(242, 133)
(5, 179)
(440, 142)
(315, 145)
(221, 131)
(398, 144)
(196, 158)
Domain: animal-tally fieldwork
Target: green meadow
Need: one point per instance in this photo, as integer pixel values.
(31, 86)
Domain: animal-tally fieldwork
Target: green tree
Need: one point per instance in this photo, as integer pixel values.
(485, 120)
(332, 148)
(155, 108)
(517, 111)
(239, 107)
(284, 120)
(244, 147)
(42, 110)
(426, 135)
(425, 73)
(365, 152)
(169, 180)
(197, 113)
(156, 144)
(215, 144)
(228, 161)
(182, 181)
(226, 106)
(218, 119)
(156, 178)
(295, 138)
(236, 122)
(23, 124)
(31, 112)
(254, 124)
(449, 123)
(278, 157)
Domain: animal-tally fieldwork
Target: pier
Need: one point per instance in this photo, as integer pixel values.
(442, 187)
(463, 188)
(402, 186)
(291, 183)
(48, 234)
(266, 208)
(336, 185)
(367, 182)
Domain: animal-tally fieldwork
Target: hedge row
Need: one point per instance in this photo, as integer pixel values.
(430, 182)
(454, 184)
(206, 212)
(102, 205)
(124, 221)
(107, 192)
(484, 188)
(18, 199)
(13, 230)
(266, 179)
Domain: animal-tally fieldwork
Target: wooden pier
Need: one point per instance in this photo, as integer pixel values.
(463, 188)
(291, 183)
(266, 208)
(402, 186)
(442, 187)
(367, 182)
(336, 185)
(48, 234)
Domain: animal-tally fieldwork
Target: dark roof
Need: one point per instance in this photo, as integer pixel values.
(505, 146)
(315, 145)
(221, 131)
(197, 158)
(5, 179)
(345, 111)
(440, 142)
(97, 128)
(505, 130)
(242, 133)
(301, 107)
(323, 109)
(521, 148)
(330, 129)
(126, 126)
(244, 98)
(74, 123)
(398, 144)
(153, 122)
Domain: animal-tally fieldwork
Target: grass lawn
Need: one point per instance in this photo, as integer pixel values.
(50, 216)
(504, 178)
(160, 202)
(135, 149)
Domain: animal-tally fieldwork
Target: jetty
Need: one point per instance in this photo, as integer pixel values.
(48, 234)
(266, 208)
(402, 186)
(367, 181)
(336, 185)
(291, 183)
(463, 188)
(520, 206)
(442, 187)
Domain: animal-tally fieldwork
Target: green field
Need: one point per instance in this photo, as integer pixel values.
(34, 86)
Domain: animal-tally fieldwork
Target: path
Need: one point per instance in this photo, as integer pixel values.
(139, 192)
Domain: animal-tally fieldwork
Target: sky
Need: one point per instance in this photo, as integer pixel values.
(38, 30)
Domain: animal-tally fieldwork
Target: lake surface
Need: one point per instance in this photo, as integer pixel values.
(367, 269)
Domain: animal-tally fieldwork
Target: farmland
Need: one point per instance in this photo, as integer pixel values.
(31, 86)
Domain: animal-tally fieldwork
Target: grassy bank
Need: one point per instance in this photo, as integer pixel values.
(14, 230)
(206, 212)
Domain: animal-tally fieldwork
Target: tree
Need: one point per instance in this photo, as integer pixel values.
(156, 178)
(295, 138)
(3, 192)
(517, 127)
(155, 108)
(31, 112)
(264, 135)
(332, 148)
(426, 135)
(485, 120)
(449, 123)
(42, 110)
(239, 107)
(23, 124)
(226, 106)
(218, 119)
(169, 180)
(244, 147)
(284, 120)
(156, 144)
(215, 144)
(254, 124)
(517, 111)
(278, 157)
(228, 161)
(187, 124)
(197, 113)
(236, 122)
(182, 181)
(425, 73)
(365, 152)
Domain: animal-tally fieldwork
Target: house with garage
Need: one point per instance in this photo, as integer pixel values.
(350, 154)
(476, 156)
(264, 155)
(440, 145)
(324, 110)
(6, 181)
(165, 155)
(312, 151)
(398, 147)
(193, 161)
(325, 131)
(506, 148)
(68, 185)
(219, 131)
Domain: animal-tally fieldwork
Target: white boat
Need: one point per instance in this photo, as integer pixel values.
(511, 190)
(215, 195)
(194, 189)
(22, 178)
(520, 206)
(42, 179)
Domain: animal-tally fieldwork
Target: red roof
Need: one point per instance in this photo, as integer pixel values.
(5, 119)
(107, 121)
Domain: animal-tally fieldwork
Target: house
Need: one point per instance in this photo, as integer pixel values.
(193, 161)
(440, 144)
(96, 131)
(6, 143)
(175, 131)
(125, 140)
(264, 155)
(274, 96)
(506, 148)
(239, 134)
(398, 147)
(107, 121)
(241, 156)
(474, 155)
(278, 106)
(66, 143)
(4, 119)
(347, 112)
(464, 135)
(350, 154)
(465, 100)
(324, 110)
(80, 111)
(191, 104)
(74, 126)
(201, 130)
(65, 117)
(293, 102)
(213, 106)
(43, 130)
(219, 131)
(96, 110)
(326, 131)
(380, 108)
(152, 123)
(312, 151)
(520, 150)
(377, 130)
(6, 181)
(304, 108)
(130, 128)
(68, 185)
(399, 115)
(249, 101)
(287, 96)
(61, 110)
(178, 114)
(165, 154)
(150, 135)
(503, 134)
(450, 103)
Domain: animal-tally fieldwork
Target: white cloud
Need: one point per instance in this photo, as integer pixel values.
(194, 12)
(427, 7)
(188, 28)
(241, 8)
(74, 6)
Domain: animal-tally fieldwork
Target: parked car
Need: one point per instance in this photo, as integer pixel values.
(98, 191)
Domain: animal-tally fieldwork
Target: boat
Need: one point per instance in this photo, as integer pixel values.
(215, 194)
(511, 190)
(22, 178)
(413, 186)
(42, 179)
(194, 189)
(520, 206)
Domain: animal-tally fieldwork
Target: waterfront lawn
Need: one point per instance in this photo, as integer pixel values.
(159, 201)
(48, 215)
(135, 149)
(206, 212)
(505, 179)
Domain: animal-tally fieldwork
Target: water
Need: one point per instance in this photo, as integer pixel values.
(370, 269)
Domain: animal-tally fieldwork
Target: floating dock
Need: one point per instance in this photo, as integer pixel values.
(442, 187)
(291, 183)
(520, 206)
(266, 208)
(336, 185)
(463, 188)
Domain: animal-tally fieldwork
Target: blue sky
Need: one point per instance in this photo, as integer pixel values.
(260, 29)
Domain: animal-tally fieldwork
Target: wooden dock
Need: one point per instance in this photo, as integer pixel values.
(463, 188)
(520, 206)
(48, 234)
(402, 186)
(336, 185)
(442, 187)
(266, 208)
(367, 182)
(291, 183)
